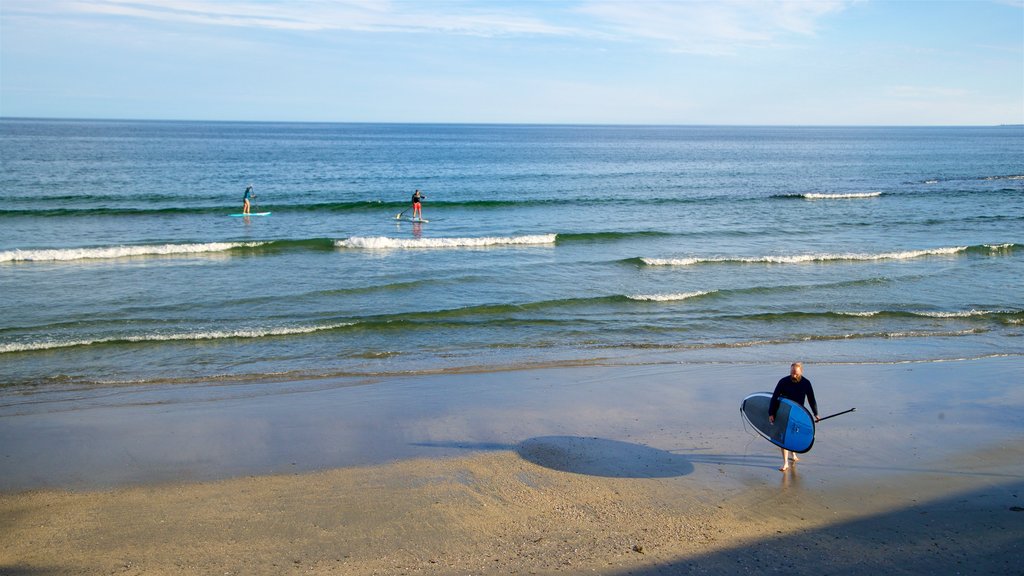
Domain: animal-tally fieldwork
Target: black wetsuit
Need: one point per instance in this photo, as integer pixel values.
(795, 391)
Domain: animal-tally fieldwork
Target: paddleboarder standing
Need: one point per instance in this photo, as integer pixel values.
(417, 207)
(798, 389)
(245, 199)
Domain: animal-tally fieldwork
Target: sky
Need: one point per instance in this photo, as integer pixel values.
(733, 62)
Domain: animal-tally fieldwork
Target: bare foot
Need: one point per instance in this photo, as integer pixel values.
(794, 458)
(784, 468)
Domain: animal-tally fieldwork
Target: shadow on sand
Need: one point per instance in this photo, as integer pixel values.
(979, 532)
(609, 458)
(602, 457)
(23, 571)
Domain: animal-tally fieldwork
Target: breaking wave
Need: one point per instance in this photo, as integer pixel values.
(181, 336)
(386, 243)
(107, 252)
(847, 196)
(988, 249)
(669, 297)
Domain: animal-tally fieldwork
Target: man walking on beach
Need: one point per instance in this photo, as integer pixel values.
(796, 388)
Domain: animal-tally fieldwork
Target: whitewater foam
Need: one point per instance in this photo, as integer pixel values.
(386, 243)
(926, 314)
(668, 297)
(801, 258)
(963, 314)
(846, 196)
(181, 336)
(107, 252)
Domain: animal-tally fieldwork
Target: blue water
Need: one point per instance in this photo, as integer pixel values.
(119, 262)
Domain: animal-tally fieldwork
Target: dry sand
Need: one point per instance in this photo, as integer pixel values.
(499, 513)
(658, 503)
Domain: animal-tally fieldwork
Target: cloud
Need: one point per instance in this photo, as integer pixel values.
(308, 15)
(711, 27)
(698, 26)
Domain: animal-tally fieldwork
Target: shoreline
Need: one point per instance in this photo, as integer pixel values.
(625, 469)
(105, 438)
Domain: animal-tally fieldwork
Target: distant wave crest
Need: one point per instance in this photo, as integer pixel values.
(386, 243)
(974, 178)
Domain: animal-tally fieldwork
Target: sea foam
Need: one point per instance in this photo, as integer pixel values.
(801, 258)
(668, 297)
(107, 252)
(386, 243)
(846, 196)
(180, 336)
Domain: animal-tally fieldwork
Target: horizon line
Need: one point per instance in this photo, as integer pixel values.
(492, 123)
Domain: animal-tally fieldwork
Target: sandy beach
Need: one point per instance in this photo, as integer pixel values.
(628, 469)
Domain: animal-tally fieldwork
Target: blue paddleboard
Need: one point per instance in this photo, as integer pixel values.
(250, 214)
(793, 428)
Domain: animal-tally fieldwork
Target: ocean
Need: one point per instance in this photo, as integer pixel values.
(121, 265)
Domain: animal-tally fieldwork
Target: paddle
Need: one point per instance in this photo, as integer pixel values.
(837, 414)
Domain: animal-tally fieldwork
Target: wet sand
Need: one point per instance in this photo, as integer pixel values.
(612, 470)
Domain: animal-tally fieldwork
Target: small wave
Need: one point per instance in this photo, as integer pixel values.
(1005, 177)
(386, 243)
(958, 314)
(107, 252)
(668, 297)
(919, 334)
(847, 196)
(962, 314)
(610, 236)
(802, 258)
(183, 336)
(672, 261)
(799, 339)
(1008, 247)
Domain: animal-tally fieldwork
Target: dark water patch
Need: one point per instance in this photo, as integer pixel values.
(594, 237)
